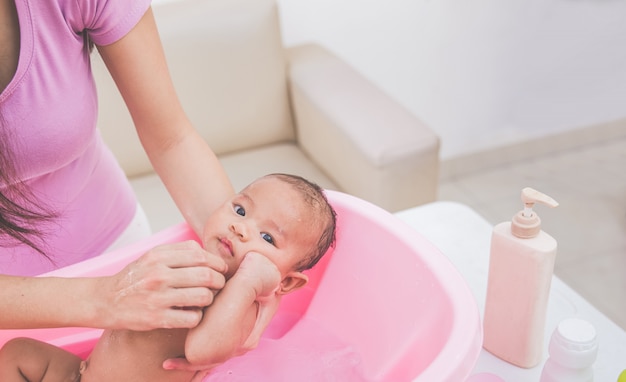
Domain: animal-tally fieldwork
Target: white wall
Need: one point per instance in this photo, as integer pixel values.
(481, 73)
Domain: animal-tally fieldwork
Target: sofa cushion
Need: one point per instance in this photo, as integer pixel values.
(243, 168)
(228, 65)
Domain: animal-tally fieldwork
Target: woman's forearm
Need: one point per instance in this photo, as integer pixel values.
(147, 294)
(31, 302)
(184, 161)
(194, 177)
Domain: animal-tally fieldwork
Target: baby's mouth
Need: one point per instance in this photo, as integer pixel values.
(227, 246)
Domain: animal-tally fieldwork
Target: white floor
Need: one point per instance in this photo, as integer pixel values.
(589, 225)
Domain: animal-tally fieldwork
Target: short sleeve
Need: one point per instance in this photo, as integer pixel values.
(107, 21)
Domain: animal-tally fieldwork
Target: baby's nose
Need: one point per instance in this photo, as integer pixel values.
(241, 230)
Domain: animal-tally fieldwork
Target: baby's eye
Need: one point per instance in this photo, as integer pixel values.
(239, 210)
(267, 237)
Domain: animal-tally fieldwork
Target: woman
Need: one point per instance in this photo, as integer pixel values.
(63, 198)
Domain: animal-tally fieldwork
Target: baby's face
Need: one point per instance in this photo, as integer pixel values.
(269, 217)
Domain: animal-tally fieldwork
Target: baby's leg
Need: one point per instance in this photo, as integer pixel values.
(25, 359)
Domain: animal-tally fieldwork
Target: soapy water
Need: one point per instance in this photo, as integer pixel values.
(308, 353)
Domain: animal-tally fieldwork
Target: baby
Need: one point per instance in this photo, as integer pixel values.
(277, 227)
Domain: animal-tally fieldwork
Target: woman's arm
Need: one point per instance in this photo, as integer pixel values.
(145, 295)
(184, 161)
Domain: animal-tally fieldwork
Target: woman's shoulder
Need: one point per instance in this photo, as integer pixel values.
(105, 21)
(109, 20)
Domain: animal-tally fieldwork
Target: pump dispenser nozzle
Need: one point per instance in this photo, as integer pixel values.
(526, 223)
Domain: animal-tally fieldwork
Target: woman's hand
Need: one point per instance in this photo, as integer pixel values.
(165, 288)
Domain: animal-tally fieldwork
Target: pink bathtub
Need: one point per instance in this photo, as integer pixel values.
(386, 305)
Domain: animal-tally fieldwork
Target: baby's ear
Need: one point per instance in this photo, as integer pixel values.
(292, 281)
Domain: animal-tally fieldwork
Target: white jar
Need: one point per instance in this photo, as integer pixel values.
(573, 350)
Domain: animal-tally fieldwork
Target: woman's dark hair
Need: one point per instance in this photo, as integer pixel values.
(21, 212)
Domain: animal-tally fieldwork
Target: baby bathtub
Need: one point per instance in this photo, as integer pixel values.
(385, 305)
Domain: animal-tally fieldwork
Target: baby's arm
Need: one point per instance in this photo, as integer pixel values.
(25, 359)
(233, 324)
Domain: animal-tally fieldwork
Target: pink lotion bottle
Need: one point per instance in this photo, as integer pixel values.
(521, 265)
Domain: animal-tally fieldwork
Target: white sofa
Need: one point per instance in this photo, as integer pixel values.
(265, 108)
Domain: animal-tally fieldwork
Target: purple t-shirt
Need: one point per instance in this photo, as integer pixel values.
(49, 111)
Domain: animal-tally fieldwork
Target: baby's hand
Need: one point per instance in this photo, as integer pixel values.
(261, 272)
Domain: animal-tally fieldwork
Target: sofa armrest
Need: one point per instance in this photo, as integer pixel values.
(370, 145)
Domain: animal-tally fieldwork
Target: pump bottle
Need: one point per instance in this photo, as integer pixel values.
(521, 265)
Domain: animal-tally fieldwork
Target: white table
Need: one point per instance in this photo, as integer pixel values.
(464, 237)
